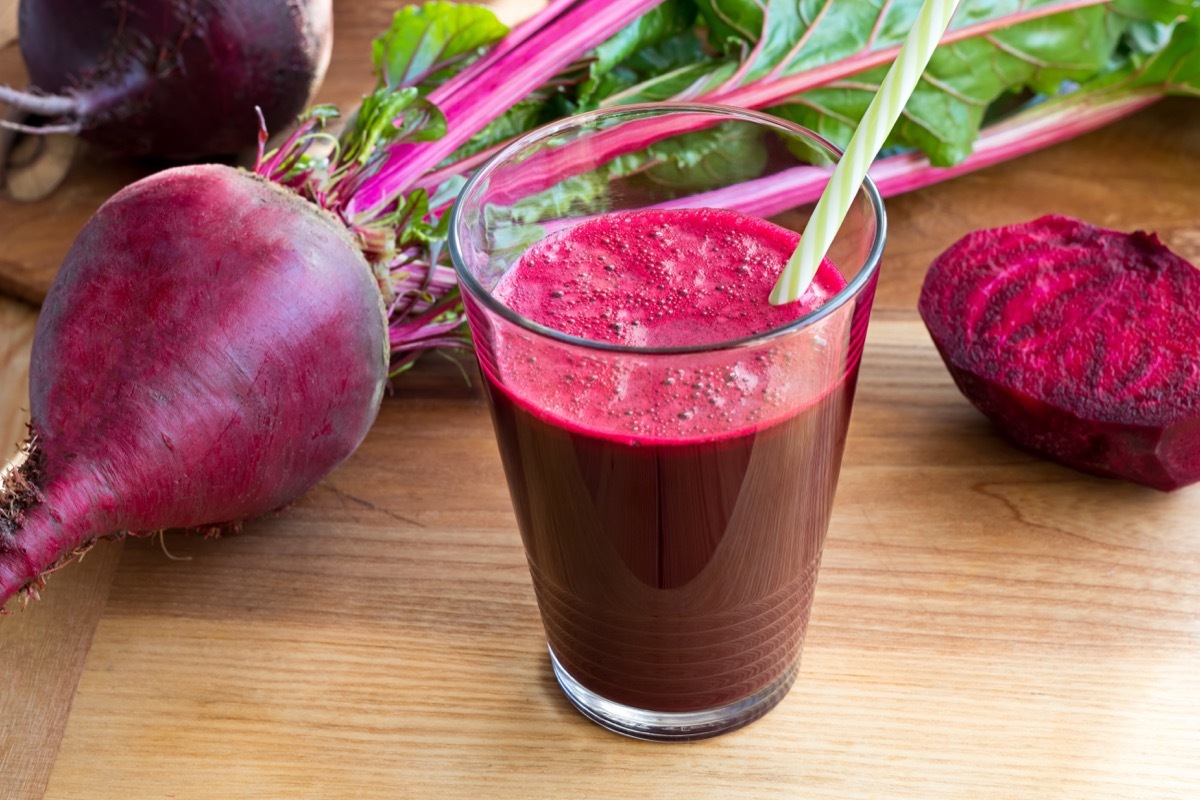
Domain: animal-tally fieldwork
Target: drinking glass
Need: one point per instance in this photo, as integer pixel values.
(673, 501)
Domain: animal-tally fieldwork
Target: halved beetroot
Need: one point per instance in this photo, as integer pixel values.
(1081, 344)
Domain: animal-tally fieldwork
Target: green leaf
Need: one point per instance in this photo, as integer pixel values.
(388, 116)
(1147, 37)
(574, 196)
(681, 50)
(1165, 11)
(422, 122)
(412, 220)
(703, 160)
(522, 117)
(1176, 68)
(732, 24)
(688, 82)
(374, 123)
(659, 24)
(789, 37)
(428, 43)
(677, 68)
(945, 111)
(794, 35)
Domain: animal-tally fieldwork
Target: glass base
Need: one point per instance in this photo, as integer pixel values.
(672, 726)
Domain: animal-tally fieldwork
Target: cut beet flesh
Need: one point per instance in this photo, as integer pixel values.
(1081, 344)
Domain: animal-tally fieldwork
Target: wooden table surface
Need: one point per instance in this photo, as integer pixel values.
(986, 625)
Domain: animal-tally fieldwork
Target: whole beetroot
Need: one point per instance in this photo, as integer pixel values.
(171, 78)
(191, 379)
(1081, 344)
(218, 340)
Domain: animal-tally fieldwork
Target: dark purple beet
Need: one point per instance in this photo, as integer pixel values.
(172, 78)
(213, 346)
(1081, 344)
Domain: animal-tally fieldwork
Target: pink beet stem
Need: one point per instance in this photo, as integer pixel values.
(511, 77)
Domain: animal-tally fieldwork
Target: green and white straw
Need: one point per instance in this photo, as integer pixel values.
(932, 21)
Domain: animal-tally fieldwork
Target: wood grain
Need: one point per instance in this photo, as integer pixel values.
(16, 336)
(42, 652)
(987, 625)
(8, 22)
(36, 235)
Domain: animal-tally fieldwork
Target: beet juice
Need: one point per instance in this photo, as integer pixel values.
(672, 464)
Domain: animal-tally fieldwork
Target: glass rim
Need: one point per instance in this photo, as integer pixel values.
(852, 288)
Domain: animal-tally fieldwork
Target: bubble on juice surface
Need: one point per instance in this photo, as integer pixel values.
(681, 278)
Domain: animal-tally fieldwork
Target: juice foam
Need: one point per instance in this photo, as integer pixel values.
(666, 279)
(657, 278)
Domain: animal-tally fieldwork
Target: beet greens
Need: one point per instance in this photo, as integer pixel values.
(1003, 83)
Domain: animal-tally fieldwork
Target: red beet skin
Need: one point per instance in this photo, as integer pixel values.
(177, 78)
(212, 346)
(1081, 344)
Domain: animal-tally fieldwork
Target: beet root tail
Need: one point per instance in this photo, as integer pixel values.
(36, 539)
(53, 106)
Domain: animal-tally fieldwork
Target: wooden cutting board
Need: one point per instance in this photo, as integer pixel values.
(987, 625)
(8, 21)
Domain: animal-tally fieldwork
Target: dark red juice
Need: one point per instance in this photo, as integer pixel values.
(672, 506)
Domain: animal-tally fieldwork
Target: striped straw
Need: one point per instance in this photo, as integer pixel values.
(851, 170)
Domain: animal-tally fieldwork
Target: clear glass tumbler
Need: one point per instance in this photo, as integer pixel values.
(673, 559)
